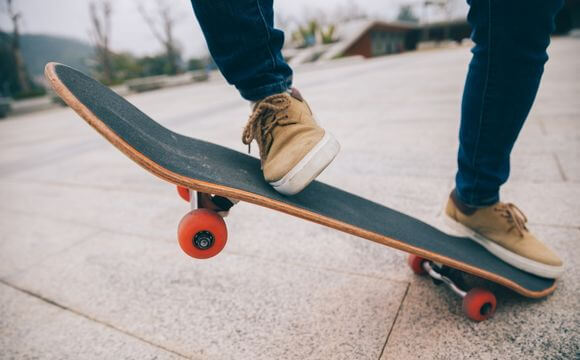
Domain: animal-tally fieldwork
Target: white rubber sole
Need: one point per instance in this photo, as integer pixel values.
(309, 167)
(518, 261)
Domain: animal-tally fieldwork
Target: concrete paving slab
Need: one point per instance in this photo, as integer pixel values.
(431, 325)
(103, 167)
(398, 162)
(535, 169)
(419, 197)
(254, 231)
(547, 204)
(229, 307)
(34, 329)
(32, 154)
(569, 164)
(117, 210)
(26, 240)
(278, 238)
(397, 119)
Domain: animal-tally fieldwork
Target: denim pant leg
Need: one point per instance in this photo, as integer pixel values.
(246, 47)
(511, 37)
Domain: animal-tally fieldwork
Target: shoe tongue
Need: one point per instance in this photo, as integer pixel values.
(292, 92)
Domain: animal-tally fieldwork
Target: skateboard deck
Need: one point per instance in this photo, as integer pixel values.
(210, 168)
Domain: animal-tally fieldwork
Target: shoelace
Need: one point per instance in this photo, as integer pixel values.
(514, 216)
(265, 117)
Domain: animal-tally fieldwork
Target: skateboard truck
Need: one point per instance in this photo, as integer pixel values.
(220, 204)
(478, 304)
(440, 278)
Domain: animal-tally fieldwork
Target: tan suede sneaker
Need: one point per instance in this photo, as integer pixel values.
(294, 149)
(501, 229)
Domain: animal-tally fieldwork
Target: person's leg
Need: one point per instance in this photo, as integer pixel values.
(242, 40)
(246, 47)
(510, 38)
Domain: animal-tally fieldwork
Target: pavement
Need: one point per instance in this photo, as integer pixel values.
(90, 267)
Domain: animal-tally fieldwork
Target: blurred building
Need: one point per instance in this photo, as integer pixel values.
(372, 38)
(369, 38)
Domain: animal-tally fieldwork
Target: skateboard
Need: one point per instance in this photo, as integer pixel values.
(200, 167)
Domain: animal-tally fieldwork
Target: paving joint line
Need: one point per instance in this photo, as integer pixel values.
(111, 188)
(80, 223)
(394, 321)
(301, 265)
(60, 154)
(559, 166)
(558, 226)
(78, 313)
(542, 127)
(56, 218)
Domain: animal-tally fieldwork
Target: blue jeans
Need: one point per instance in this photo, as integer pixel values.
(511, 37)
(246, 47)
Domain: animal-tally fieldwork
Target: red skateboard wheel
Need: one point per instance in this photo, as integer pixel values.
(416, 264)
(479, 304)
(202, 233)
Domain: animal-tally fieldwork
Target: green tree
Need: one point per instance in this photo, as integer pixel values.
(306, 33)
(9, 77)
(15, 79)
(194, 64)
(154, 65)
(126, 67)
(327, 34)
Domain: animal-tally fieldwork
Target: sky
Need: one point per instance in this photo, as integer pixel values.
(130, 33)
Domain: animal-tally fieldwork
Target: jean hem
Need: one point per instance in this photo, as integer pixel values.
(477, 202)
(265, 90)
